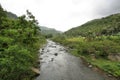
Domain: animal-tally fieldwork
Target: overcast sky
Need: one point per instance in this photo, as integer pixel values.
(63, 14)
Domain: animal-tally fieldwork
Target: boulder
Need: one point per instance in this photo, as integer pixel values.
(90, 66)
(56, 54)
(52, 59)
(114, 57)
(35, 70)
(93, 57)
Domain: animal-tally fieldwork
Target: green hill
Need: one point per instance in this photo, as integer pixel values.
(106, 25)
(96, 42)
(49, 31)
(11, 15)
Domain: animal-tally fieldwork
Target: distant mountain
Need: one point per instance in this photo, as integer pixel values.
(48, 31)
(44, 30)
(104, 26)
(11, 15)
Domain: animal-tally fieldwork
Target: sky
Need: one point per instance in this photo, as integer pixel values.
(63, 14)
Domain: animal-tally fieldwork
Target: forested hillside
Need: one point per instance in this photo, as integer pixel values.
(20, 40)
(97, 42)
(107, 26)
(11, 15)
(49, 32)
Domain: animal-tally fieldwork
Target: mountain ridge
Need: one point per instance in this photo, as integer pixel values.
(46, 31)
(104, 25)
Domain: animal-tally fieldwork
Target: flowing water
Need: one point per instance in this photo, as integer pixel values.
(58, 64)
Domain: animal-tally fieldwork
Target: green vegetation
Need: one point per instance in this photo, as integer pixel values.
(11, 15)
(49, 32)
(95, 51)
(112, 67)
(107, 26)
(20, 40)
(95, 41)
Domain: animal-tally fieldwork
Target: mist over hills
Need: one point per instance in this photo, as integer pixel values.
(46, 31)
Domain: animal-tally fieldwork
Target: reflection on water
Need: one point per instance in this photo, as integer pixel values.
(57, 64)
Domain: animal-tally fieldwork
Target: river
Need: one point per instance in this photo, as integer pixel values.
(58, 64)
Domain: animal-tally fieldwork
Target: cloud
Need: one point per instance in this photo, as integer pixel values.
(63, 14)
(108, 7)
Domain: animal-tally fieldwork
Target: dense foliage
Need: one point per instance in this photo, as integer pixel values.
(11, 15)
(95, 41)
(108, 26)
(95, 51)
(20, 40)
(49, 32)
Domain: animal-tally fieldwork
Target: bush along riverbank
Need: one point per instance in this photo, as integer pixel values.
(102, 51)
(97, 41)
(20, 40)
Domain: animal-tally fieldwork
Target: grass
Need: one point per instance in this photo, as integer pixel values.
(100, 46)
(74, 52)
(108, 66)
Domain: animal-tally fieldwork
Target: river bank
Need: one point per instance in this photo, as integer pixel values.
(58, 64)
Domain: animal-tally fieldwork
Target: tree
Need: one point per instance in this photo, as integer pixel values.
(2, 14)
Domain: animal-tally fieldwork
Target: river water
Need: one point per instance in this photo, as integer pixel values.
(58, 64)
